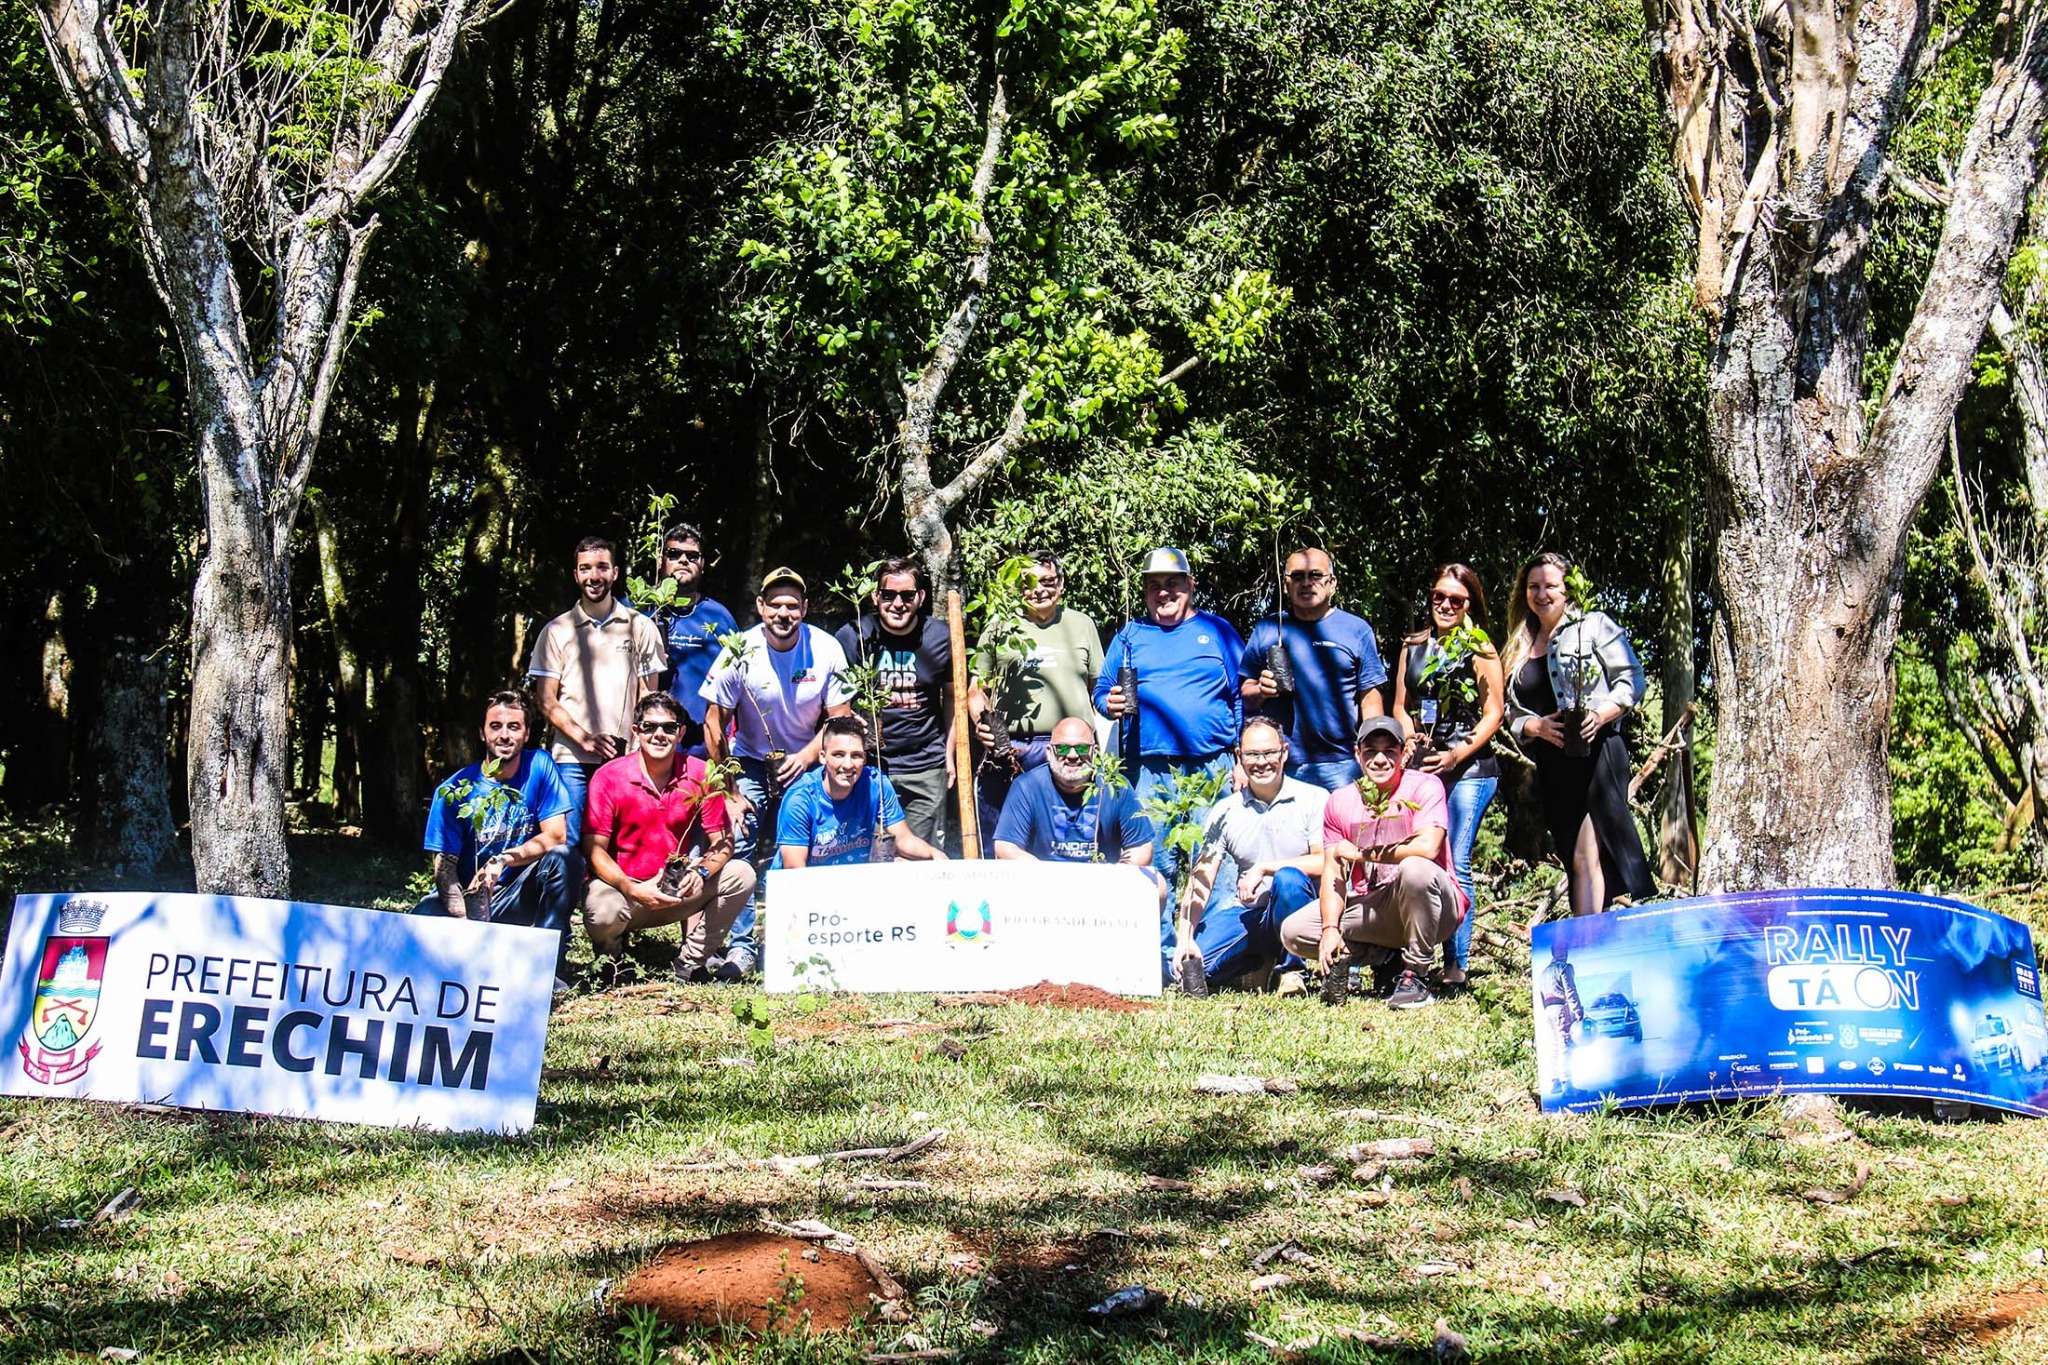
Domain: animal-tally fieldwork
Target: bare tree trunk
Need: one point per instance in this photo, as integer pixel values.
(765, 511)
(1782, 127)
(1678, 850)
(184, 118)
(476, 664)
(130, 830)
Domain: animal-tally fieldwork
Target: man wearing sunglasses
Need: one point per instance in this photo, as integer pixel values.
(499, 833)
(914, 656)
(1061, 813)
(1387, 896)
(645, 808)
(1337, 671)
(1269, 833)
(692, 625)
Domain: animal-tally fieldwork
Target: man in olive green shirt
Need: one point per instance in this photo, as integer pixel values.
(1051, 682)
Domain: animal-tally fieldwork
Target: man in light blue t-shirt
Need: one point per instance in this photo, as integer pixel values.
(830, 816)
(500, 839)
(690, 627)
(1337, 671)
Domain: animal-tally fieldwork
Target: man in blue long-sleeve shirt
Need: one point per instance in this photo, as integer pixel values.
(1188, 704)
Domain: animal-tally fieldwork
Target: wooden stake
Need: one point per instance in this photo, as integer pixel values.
(963, 749)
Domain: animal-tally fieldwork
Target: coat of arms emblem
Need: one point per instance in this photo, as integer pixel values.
(53, 1046)
(958, 933)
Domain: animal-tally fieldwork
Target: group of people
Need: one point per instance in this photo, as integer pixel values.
(689, 756)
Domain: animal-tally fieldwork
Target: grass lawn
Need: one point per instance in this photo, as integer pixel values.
(270, 1240)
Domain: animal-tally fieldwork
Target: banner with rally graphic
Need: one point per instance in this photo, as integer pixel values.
(275, 1007)
(1835, 991)
(962, 926)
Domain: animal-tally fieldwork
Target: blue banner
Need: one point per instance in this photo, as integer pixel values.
(1836, 991)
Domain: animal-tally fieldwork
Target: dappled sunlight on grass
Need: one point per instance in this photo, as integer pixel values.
(1077, 1159)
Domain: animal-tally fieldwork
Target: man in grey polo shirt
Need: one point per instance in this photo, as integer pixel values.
(1261, 860)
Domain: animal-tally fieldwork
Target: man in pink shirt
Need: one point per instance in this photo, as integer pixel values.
(1388, 884)
(646, 808)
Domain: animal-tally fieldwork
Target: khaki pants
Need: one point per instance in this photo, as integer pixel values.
(1416, 912)
(607, 914)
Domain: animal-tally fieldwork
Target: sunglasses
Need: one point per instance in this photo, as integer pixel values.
(1306, 576)
(687, 556)
(1072, 750)
(659, 727)
(1448, 599)
(896, 594)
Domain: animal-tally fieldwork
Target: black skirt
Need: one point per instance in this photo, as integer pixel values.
(1571, 789)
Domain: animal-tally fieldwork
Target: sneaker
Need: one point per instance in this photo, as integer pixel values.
(1386, 972)
(740, 963)
(1410, 994)
(1291, 983)
(1194, 982)
(691, 973)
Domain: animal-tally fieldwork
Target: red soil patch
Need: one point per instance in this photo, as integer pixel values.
(2006, 1311)
(1073, 997)
(752, 1279)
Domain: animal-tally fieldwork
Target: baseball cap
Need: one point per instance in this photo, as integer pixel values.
(1165, 559)
(785, 574)
(1381, 725)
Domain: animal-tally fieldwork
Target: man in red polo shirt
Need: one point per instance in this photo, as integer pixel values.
(644, 808)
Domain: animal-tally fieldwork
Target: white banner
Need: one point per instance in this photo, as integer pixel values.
(974, 926)
(275, 1007)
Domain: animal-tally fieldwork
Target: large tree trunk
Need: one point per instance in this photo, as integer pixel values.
(176, 133)
(1783, 126)
(128, 829)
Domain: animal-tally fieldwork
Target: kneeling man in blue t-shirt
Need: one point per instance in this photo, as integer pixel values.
(830, 816)
(1060, 813)
(499, 833)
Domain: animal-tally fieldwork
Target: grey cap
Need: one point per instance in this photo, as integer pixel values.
(1165, 559)
(1381, 725)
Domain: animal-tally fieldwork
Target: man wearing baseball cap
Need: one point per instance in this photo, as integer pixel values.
(784, 678)
(1387, 888)
(1187, 706)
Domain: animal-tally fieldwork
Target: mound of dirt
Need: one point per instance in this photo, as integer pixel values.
(752, 1279)
(1073, 997)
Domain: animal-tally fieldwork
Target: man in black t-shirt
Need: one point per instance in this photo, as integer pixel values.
(914, 654)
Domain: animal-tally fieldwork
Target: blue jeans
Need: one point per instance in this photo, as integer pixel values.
(1469, 798)
(1154, 780)
(992, 787)
(1234, 937)
(1327, 773)
(576, 777)
(748, 843)
(541, 894)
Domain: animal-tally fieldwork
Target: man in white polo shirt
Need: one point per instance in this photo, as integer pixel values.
(591, 665)
(1261, 860)
(788, 677)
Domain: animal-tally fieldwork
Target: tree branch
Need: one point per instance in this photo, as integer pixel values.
(297, 459)
(921, 399)
(394, 145)
(80, 38)
(1989, 195)
(1014, 438)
